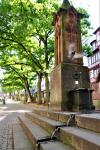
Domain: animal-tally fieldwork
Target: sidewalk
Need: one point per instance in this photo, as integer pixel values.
(12, 136)
(8, 123)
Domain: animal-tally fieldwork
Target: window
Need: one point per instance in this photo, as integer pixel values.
(93, 46)
(98, 36)
(89, 61)
(92, 59)
(96, 56)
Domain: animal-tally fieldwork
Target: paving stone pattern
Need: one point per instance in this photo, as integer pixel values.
(8, 119)
(6, 134)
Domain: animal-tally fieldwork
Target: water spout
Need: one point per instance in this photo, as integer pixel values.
(72, 54)
(77, 55)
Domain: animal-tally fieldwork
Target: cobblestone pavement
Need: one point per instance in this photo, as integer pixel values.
(8, 117)
(6, 135)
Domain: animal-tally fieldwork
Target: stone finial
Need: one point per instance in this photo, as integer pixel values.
(65, 1)
(65, 4)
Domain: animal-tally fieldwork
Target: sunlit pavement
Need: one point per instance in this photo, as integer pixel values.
(8, 117)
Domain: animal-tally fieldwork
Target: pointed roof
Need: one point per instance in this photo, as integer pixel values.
(64, 8)
(65, 4)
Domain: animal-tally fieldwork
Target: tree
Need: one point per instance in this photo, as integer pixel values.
(16, 77)
(43, 32)
(85, 28)
(15, 34)
(26, 32)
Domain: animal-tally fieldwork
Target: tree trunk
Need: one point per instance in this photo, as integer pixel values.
(17, 96)
(39, 96)
(27, 89)
(46, 87)
(25, 97)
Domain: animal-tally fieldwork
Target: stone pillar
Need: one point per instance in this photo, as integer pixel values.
(63, 81)
(69, 76)
(67, 35)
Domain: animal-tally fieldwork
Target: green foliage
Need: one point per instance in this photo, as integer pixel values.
(87, 49)
(85, 23)
(27, 40)
(85, 27)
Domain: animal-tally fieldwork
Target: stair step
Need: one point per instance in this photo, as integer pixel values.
(58, 116)
(80, 139)
(35, 133)
(46, 123)
(20, 139)
(55, 146)
(89, 121)
(49, 114)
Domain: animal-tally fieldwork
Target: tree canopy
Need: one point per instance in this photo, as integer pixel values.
(27, 40)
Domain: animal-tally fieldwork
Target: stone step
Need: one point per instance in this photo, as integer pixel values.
(89, 121)
(33, 131)
(80, 139)
(58, 116)
(21, 142)
(37, 134)
(55, 146)
(49, 114)
(46, 123)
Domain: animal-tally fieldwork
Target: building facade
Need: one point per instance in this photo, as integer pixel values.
(94, 64)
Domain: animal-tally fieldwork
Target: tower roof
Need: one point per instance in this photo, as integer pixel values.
(65, 4)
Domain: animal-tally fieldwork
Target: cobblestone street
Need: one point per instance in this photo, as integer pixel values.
(8, 118)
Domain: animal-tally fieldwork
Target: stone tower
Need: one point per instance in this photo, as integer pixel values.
(67, 34)
(69, 78)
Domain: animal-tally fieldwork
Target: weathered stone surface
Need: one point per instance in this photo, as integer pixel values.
(80, 139)
(54, 146)
(63, 81)
(67, 34)
(68, 62)
(20, 139)
(45, 123)
(89, 121)
(35, 133)
(58, 116)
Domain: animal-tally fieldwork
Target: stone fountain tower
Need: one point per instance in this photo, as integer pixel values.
(70, 84)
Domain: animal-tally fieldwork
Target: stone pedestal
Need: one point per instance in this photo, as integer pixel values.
(81, 99)
(64, 78)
